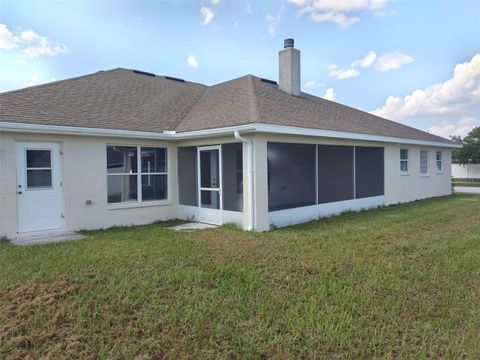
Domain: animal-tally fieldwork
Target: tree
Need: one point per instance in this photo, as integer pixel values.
(470, 153)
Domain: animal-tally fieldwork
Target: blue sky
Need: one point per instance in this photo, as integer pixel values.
(357, 52)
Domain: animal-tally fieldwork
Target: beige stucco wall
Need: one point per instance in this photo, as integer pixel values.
(398, 187)
(84, 177)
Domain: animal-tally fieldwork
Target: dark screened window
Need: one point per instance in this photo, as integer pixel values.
(187, 176)
(369, 171)
(335, 173)
(291, 175)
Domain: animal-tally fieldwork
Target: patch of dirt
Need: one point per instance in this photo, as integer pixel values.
(30, 302)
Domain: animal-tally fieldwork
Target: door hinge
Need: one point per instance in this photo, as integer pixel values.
(61, 152)
(62, 216)
(61, 183)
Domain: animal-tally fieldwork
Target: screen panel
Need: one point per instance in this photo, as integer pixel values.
(335, 173)
(187, 176)
(232, 184)
(369, 171)
(291, 175)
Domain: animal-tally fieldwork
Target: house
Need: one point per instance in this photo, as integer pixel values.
(124, 147)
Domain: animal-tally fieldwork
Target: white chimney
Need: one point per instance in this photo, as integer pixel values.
(289, 68)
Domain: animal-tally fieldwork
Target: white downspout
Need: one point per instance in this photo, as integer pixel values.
(251, 199)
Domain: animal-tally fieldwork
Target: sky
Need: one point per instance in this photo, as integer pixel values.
(415, 62)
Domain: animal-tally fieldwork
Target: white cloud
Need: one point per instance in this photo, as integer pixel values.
(386, 62)
(457, 95)
(248, 9)
(8, 41)
(215, 2)
(34, 80)
(448, 108)
(330, 95)
(447, 128)
(341, 12)
(366, 61)
(342, 74)
(392, 61)
(207, 15)
(192, 62)
(273, 21)
(28, 43)
(314, 84)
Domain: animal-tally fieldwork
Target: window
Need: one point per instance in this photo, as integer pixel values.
(439, 161)
(134, 179)
(39, 169)
(423, 162)
(404, 160)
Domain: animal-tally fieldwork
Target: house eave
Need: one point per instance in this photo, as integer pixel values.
(6, 126)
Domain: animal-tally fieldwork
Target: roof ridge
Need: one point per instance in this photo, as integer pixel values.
(253, 109)
(99, 72)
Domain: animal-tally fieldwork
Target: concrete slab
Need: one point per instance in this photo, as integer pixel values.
(192, 226)
(43, 237)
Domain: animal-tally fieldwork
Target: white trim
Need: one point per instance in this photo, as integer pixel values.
(303, 214)
(201, 209)
(251, 197)
(293, 130)
(253, 127)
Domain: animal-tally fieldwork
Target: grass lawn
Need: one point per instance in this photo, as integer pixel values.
(397, 282)
(467, 184)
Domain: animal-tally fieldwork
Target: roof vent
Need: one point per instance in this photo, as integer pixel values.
(174, 79)
(269, 81)
(288, 43)
(143, 73)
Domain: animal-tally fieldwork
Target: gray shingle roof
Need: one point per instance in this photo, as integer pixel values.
(125, 100)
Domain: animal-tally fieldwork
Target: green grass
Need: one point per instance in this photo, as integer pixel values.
(467, 184)
(400, 282)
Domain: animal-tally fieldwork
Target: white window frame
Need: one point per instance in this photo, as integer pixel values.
(407, 161)
(139, 173)
(439, 161)
(423, 174)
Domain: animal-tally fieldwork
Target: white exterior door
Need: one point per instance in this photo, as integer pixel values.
(210, 184)
(39, 194)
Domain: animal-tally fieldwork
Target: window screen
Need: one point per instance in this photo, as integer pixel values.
(39, 169)
(404, 160)
(439, 161)
(232, 168)
(369, 171)
(291, 175)
(187, 176)
(335, 173)
(423, 162)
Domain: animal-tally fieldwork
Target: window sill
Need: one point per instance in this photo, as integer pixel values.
(134, 205)
(440, 172)
(405, 174)
(424, 175)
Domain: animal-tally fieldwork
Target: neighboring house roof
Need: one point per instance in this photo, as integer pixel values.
(129, 100)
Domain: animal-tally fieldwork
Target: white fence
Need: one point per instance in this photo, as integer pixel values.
(471, 171)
